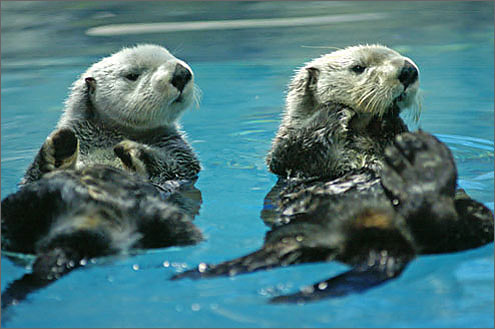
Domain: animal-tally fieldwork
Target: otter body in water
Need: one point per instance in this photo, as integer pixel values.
(354, 185)
(115, 173)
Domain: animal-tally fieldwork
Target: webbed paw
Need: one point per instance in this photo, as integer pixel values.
(133, 155)
(60, 150)
(419, 170)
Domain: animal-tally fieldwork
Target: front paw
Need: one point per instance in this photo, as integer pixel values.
(418, 167)
(60, 150)
(133, 156)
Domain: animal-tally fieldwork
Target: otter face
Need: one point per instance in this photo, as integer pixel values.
(143, 87)
(369, 79)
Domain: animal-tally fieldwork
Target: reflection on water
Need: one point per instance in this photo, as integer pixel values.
(243, 73)
(142, 28)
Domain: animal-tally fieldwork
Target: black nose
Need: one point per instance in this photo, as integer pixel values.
(181, 77)
(408, 74)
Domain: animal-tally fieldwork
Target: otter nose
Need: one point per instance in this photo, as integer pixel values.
(180, 77)
(408, 74)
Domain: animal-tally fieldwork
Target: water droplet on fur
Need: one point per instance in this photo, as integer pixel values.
(299, 238)
(322, 285)
(135, 267)
(390, 267)
(83, 262)
(59, 261)
(195, 307)
(71, 264)
(166, 264)
(395, 202)
(202, 267)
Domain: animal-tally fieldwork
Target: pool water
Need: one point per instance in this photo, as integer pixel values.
(243, 72)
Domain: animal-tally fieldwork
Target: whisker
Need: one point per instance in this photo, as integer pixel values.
(365, 96)
(197, 94)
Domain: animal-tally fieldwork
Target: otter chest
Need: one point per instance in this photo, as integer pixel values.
(96, 146)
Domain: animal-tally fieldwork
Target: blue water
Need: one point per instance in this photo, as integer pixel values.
(243, 74)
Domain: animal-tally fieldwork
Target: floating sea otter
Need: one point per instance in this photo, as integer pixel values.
(354, 185)
(113, 175)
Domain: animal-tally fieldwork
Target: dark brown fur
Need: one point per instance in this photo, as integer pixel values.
(354, 185)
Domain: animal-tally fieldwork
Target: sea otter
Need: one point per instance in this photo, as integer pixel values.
(123, 112)
(354, 185)
(115, 173)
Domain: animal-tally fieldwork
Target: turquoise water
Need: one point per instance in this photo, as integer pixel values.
(243, 73)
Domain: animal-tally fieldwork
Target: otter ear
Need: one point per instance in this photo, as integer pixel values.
(313, 74)
(91, 84)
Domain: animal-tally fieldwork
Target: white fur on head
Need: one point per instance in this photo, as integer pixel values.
(336, 77)
(133, 89)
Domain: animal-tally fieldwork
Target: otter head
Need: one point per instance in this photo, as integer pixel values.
(371, 79)
(138, 88)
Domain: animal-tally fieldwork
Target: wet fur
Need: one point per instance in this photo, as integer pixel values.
(107, 112)
(116, 175)
(354, 185)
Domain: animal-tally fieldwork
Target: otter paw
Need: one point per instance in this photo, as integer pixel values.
(419, 166)
(133, 156)
(60, 150)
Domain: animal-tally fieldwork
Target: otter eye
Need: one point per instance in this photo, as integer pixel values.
(358, 69)
(132, 76)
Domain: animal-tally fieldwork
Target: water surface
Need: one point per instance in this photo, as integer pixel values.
(243, 71)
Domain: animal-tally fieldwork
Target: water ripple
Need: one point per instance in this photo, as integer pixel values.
(468, 148)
